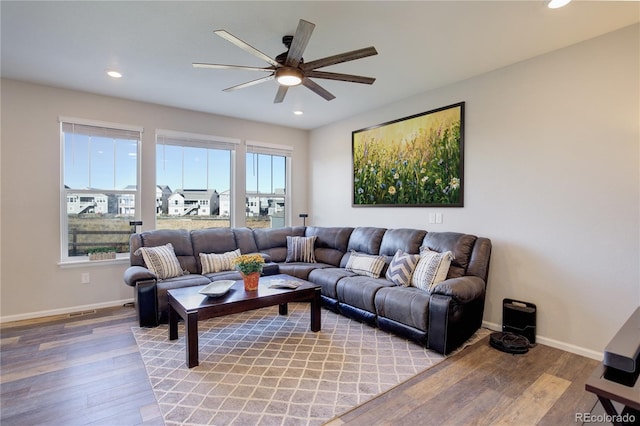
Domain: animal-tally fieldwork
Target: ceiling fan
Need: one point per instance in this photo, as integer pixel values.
(289, 69)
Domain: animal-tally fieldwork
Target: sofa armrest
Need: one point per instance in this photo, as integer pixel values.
(461, 289)
(135, 274)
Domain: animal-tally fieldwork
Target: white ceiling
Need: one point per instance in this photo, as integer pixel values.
(421, 46)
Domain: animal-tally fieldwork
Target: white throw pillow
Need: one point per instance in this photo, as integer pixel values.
(365, 264)
(161, 260)
(212, 262)
(432, 269)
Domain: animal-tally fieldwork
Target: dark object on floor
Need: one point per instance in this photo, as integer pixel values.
(622, 354)
(520, 318)
(509, 342)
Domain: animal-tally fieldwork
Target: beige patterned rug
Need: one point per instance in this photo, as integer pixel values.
(262, 368)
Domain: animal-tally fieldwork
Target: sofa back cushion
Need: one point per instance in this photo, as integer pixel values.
(364, 240)
(460, 246)
(479, 262)
(212, 240)
(331, 243)
(180, 239)
(273, 241)
(407, 240)
(245, 240)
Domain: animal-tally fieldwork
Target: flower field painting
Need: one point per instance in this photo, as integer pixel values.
(416, 161)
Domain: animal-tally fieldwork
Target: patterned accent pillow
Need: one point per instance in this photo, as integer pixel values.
(432, 269)
(212, 262)
(301, 249)
(401, 268)
(365, 264)
(161, 260)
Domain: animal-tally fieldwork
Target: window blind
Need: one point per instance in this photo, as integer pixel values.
(269, 149)
(169, 137)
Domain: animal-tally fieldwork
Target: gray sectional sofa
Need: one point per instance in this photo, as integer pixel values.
(441, 319)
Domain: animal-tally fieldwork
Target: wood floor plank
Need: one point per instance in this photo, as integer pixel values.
(534, 403)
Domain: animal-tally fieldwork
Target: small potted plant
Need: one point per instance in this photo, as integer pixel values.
(101, 253)
(250, 267)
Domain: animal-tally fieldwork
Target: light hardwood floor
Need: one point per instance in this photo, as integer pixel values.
(86, 369)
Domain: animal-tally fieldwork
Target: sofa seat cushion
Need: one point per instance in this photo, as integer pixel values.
(359, 291)
(300, 269)
(224, 275)
(406, 305)
(327, 279)
(177, 282)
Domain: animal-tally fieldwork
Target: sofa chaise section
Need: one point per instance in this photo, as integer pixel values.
(447, 316)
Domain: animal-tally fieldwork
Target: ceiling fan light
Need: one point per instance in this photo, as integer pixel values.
(555, 4)
(288, 76)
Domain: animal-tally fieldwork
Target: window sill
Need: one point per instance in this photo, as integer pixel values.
(83, 262)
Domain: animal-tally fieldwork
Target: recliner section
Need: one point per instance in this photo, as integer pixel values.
(440, 320)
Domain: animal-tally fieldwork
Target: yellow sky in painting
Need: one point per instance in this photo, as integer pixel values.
(409, 129)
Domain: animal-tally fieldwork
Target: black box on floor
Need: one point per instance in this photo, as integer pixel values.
(520, 318)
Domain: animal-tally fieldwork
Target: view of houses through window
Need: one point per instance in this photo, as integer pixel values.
(194, 177)
(265, 190)
(100, 188)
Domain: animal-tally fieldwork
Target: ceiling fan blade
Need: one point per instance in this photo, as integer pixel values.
(231, 67)
(340, 77)
(282, 92)
(246, 47)
(299, 43)
(249, 83)
(315, 87)
(339, 58)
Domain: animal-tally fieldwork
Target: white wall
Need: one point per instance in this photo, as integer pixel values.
(32, 283)
(551, 177)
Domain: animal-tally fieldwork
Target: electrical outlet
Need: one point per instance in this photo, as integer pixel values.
(85, 278)
(432, 218)
(438, 217)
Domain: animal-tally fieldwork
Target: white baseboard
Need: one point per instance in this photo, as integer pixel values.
(578, 350)
(63, 311)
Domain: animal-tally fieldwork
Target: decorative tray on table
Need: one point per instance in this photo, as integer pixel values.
(217, 288)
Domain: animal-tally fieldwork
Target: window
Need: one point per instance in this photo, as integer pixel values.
(100, 191)
(194, 178)
(267, 198)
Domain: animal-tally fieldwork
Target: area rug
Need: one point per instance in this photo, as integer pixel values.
(261, 368)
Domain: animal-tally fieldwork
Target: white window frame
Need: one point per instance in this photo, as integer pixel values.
(198, 140)
(257, 147)
(64, 232)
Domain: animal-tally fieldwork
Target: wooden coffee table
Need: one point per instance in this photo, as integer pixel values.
(191, 306)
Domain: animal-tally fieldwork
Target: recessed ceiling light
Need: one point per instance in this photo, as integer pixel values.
(555, 4)
(298, 112)
(114, 74)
